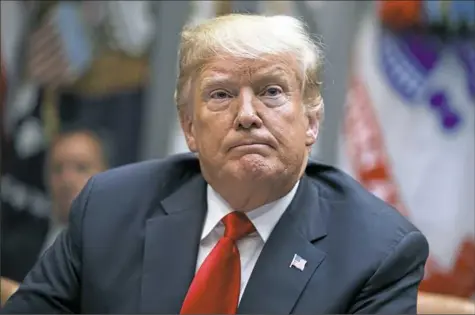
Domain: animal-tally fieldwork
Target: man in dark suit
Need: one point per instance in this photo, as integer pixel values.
(74, 156)
(244, 224)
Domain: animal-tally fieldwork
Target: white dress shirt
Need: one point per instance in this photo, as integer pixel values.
(264, 219)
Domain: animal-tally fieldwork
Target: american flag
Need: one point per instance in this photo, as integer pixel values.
(298, 262)
(60, 48)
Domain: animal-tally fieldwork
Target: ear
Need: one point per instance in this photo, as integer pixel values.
(186, 122)
(312, 127)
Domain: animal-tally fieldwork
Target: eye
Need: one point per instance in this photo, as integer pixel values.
(220, 95)
(272, 91)
(82, 168)
(273, 96)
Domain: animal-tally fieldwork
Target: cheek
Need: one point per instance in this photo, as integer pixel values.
(286, 125)
(212, 121)
(56, 181)
(210, 130)
(79, 185)
(82, 180)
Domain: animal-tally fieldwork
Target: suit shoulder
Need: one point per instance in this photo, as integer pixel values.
(161, 174)
(355, 209)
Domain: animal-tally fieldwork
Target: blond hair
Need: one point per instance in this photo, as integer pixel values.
(250, 36)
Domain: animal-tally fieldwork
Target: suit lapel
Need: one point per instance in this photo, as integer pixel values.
(171, 248)
(274, 286)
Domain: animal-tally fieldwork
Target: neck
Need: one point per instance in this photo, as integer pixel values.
(245, 195)
(250, 197)
(57, 219)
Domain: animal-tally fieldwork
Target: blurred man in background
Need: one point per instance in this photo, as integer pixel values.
(74, 157)
(81, 63)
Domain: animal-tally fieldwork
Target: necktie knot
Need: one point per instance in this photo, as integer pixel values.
(237, 225)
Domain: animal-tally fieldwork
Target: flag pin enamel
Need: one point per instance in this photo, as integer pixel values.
(298, 262)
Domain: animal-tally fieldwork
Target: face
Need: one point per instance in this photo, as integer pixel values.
(247, 120)
(74, 159)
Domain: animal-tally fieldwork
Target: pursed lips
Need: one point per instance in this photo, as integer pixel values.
(250, 142)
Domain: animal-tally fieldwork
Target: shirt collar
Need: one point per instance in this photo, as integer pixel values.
(264, 218)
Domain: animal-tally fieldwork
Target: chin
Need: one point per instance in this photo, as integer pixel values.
(254, 167)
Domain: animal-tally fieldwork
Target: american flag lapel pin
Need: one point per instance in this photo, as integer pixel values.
(298, 262)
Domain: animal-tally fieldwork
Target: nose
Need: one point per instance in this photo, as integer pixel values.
(68, 176)
(247, 116)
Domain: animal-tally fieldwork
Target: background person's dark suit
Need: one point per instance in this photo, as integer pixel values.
(134, 235)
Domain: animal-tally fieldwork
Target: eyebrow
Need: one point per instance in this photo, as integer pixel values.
(271, 71)
(221, 76)
(276, 73)
(216, 79)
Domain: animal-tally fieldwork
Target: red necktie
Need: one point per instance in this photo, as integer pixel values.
(216, 286)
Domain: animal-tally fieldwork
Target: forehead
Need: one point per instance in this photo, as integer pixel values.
(223, 68)
(75, 144)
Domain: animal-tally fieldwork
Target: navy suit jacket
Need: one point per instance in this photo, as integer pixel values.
(134, 234)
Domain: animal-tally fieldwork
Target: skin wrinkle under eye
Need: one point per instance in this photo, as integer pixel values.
(278, 90)
(272, 101)
(231, 74)
(214, 80)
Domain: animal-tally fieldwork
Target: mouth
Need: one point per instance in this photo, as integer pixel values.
(251, 146)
